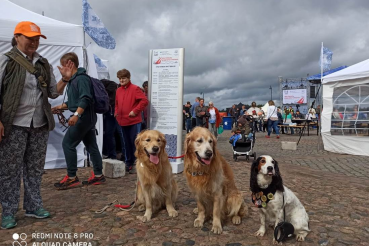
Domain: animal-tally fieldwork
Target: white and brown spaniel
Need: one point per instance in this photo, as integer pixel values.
(268, 193)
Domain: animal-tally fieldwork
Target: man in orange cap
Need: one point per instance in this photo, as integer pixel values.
(26, 83)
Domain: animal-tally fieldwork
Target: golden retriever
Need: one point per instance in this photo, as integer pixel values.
(157, 187)
(211, 180)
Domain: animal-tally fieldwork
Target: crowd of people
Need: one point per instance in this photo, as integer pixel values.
(270, 121)
(200, 115)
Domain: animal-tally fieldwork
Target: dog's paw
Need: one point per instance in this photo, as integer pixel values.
(275, 242)
(141, 208)
(198, 223)
(144, 218)
(195, 210)
(236, 220)
(173, 213)
(300, 238)
(259, 233)
(217, 229)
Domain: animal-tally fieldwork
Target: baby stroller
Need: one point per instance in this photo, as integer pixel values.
(243, 144)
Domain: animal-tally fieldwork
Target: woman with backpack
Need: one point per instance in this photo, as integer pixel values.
(81, 125)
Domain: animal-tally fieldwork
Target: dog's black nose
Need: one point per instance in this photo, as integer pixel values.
(270, 169)
(209, 153)
(155, 148)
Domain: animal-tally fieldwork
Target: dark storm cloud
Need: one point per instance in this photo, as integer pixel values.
(234, 50)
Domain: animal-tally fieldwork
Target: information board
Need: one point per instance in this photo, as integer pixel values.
(166, 99)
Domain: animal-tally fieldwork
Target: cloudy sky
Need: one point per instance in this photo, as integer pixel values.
(234, 49)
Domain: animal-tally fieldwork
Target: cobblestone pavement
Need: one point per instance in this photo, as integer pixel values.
(334, 189)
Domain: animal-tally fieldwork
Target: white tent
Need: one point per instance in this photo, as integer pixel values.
(61, 38)
(345, 116)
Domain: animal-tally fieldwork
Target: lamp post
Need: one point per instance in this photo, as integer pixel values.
(271, 93)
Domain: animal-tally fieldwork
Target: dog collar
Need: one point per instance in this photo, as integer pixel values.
(194, 174)
(261, 198)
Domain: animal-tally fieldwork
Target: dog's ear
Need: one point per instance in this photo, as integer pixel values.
(137, 144)
(214, 144)
(253, 175)
(277, 178)
(138, 139)
(187, 142)
(163, 139)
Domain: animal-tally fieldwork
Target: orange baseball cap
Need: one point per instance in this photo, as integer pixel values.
(28, 29)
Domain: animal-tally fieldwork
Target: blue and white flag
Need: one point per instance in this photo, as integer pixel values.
(325, 59)
(99, 62)
(95, 28)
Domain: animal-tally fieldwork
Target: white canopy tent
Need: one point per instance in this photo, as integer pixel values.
(345, 117)
(61, 38)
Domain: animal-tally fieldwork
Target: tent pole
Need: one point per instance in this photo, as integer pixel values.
(85, 59)
(321, 83)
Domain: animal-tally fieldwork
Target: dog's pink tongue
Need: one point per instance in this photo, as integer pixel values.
(206, 161)
(154, 159)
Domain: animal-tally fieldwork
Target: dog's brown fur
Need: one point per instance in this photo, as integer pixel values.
(215, 190)
(157, 187)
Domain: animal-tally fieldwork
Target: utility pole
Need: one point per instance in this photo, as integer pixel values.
(271, 93)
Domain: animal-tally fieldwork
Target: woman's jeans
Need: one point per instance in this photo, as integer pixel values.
(261, 122)
(213, 129)
(188, 124)
(110, 124)
(274, 125)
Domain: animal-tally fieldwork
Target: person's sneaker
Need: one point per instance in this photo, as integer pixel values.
(8, 222)
(39, 214)
(132, 169)
(93, 180)
(277, 136)
(67, 183)
(267, 136)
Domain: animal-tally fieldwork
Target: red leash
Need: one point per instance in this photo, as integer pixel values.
(176, 157)
(124, 206)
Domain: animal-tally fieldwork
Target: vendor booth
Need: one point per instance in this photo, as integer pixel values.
(345, 116)
(61, 38)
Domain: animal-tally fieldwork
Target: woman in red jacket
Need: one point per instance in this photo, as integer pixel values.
(130, 101)
(214, 119)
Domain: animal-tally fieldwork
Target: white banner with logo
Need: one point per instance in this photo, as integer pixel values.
(166, 99)
(296, 96)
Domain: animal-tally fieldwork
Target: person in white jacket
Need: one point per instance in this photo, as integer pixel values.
(272, 119)
(254, 110)
(311, 114)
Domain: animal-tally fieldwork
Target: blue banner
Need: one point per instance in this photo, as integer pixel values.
(95, 28)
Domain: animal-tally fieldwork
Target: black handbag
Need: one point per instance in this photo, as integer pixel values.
(284, 229)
